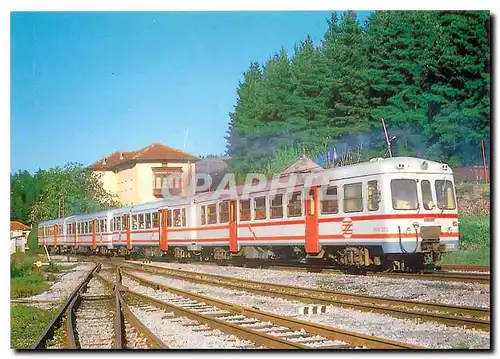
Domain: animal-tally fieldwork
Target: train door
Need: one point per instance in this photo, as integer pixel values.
(163, 229)
(55, 235)
(311, 209)
(233, 227)
(94, 236)
(128, 243)
(75, 234)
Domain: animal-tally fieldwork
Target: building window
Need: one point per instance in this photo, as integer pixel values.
(353, 197)
(245, 211)
(224, 212)
(294, 208)
(260, 208)
(373, 195)
(212, 213)
(277, 206)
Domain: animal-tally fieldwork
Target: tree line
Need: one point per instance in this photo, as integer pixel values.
(427, 73)
(56, 192)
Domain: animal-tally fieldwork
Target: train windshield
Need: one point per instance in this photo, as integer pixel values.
(445, 195)
(404, 194)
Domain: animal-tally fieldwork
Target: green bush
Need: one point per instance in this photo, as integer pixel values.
(27, 286)
(474, 232)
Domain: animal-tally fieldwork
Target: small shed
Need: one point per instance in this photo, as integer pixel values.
(19, 233)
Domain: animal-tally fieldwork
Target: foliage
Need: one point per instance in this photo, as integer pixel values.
(474, 242)
(427, 73)
(26, 279)
(27, 324)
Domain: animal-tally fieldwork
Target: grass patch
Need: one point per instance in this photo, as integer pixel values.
(27, 286)
(474, 242)
(27, 324)
(26, 279)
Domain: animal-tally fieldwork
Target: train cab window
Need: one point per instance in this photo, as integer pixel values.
(203, 215)
(141, 221)
(212, 213)
(427, 201)
(294, 207)
(147, 220)
(169, 218)
(245, 210)
(330, 200)
(404, 194)
(184, 217)
(224, 212)
(277, 206)
(155, 219)
(260, 208)
(177, 217)
(353, 197)
(373, 195)
(445, 195)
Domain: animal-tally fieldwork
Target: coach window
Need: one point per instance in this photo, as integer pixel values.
(294, 207)
(184, 217)
(203, 215)
(373, 195)
(277, 206)
(260, 208)
(404, 194)
(353, 197)
(330, 201)
(155, 219)
(141, 221)
(98, 226)
(224, 212)
(125, 222)
(148, 220)
(177, 217)
(245, 210)
(212, 213)
(169, 218)
(134, 221)
(425, 185)
(445, 194)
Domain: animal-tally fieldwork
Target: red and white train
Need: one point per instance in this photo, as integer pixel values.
(398, 212)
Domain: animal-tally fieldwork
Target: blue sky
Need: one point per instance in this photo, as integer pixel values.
(85, 84)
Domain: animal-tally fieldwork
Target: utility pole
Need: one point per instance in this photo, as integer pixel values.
(484, 163)
(387, 138)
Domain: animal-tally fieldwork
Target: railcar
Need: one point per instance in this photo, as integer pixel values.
(397, 212)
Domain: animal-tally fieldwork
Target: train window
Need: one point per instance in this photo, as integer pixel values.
(112, 226)
(97, 226)
(134, 221)
(125, 222)
(184, 217)
(404, 194)
(91, 227)
(212, 213)
(169, 218)
(277, 206)
(260, 208)
(147, 220)
(155, 219)
(203, 215)
(141, 221)
(425, 185)
(102, 226)
(373, 195)
(245, 211)
(329, 201)
(294, 207)
(85, 227)
(445, 194)
(224, 212)
(353, 197)
(106, 225)
(177, 217)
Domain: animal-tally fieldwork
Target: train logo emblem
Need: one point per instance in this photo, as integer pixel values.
(347, 227)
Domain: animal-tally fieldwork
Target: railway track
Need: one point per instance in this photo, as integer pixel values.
(470, 317)
(95, 317)
(258, 327)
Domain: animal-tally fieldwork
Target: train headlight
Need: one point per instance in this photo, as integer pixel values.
(424, 165)
(455, 223)
(416, 224)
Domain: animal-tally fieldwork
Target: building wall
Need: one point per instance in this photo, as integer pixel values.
(134, 184)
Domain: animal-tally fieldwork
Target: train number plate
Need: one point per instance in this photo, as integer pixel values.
(451, 245)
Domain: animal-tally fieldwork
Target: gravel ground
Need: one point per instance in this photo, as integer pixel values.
(453, 293)
(61, 289)
(430, 335)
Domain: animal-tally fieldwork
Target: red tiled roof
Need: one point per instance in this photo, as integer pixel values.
(153, 152)
(18, 226)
